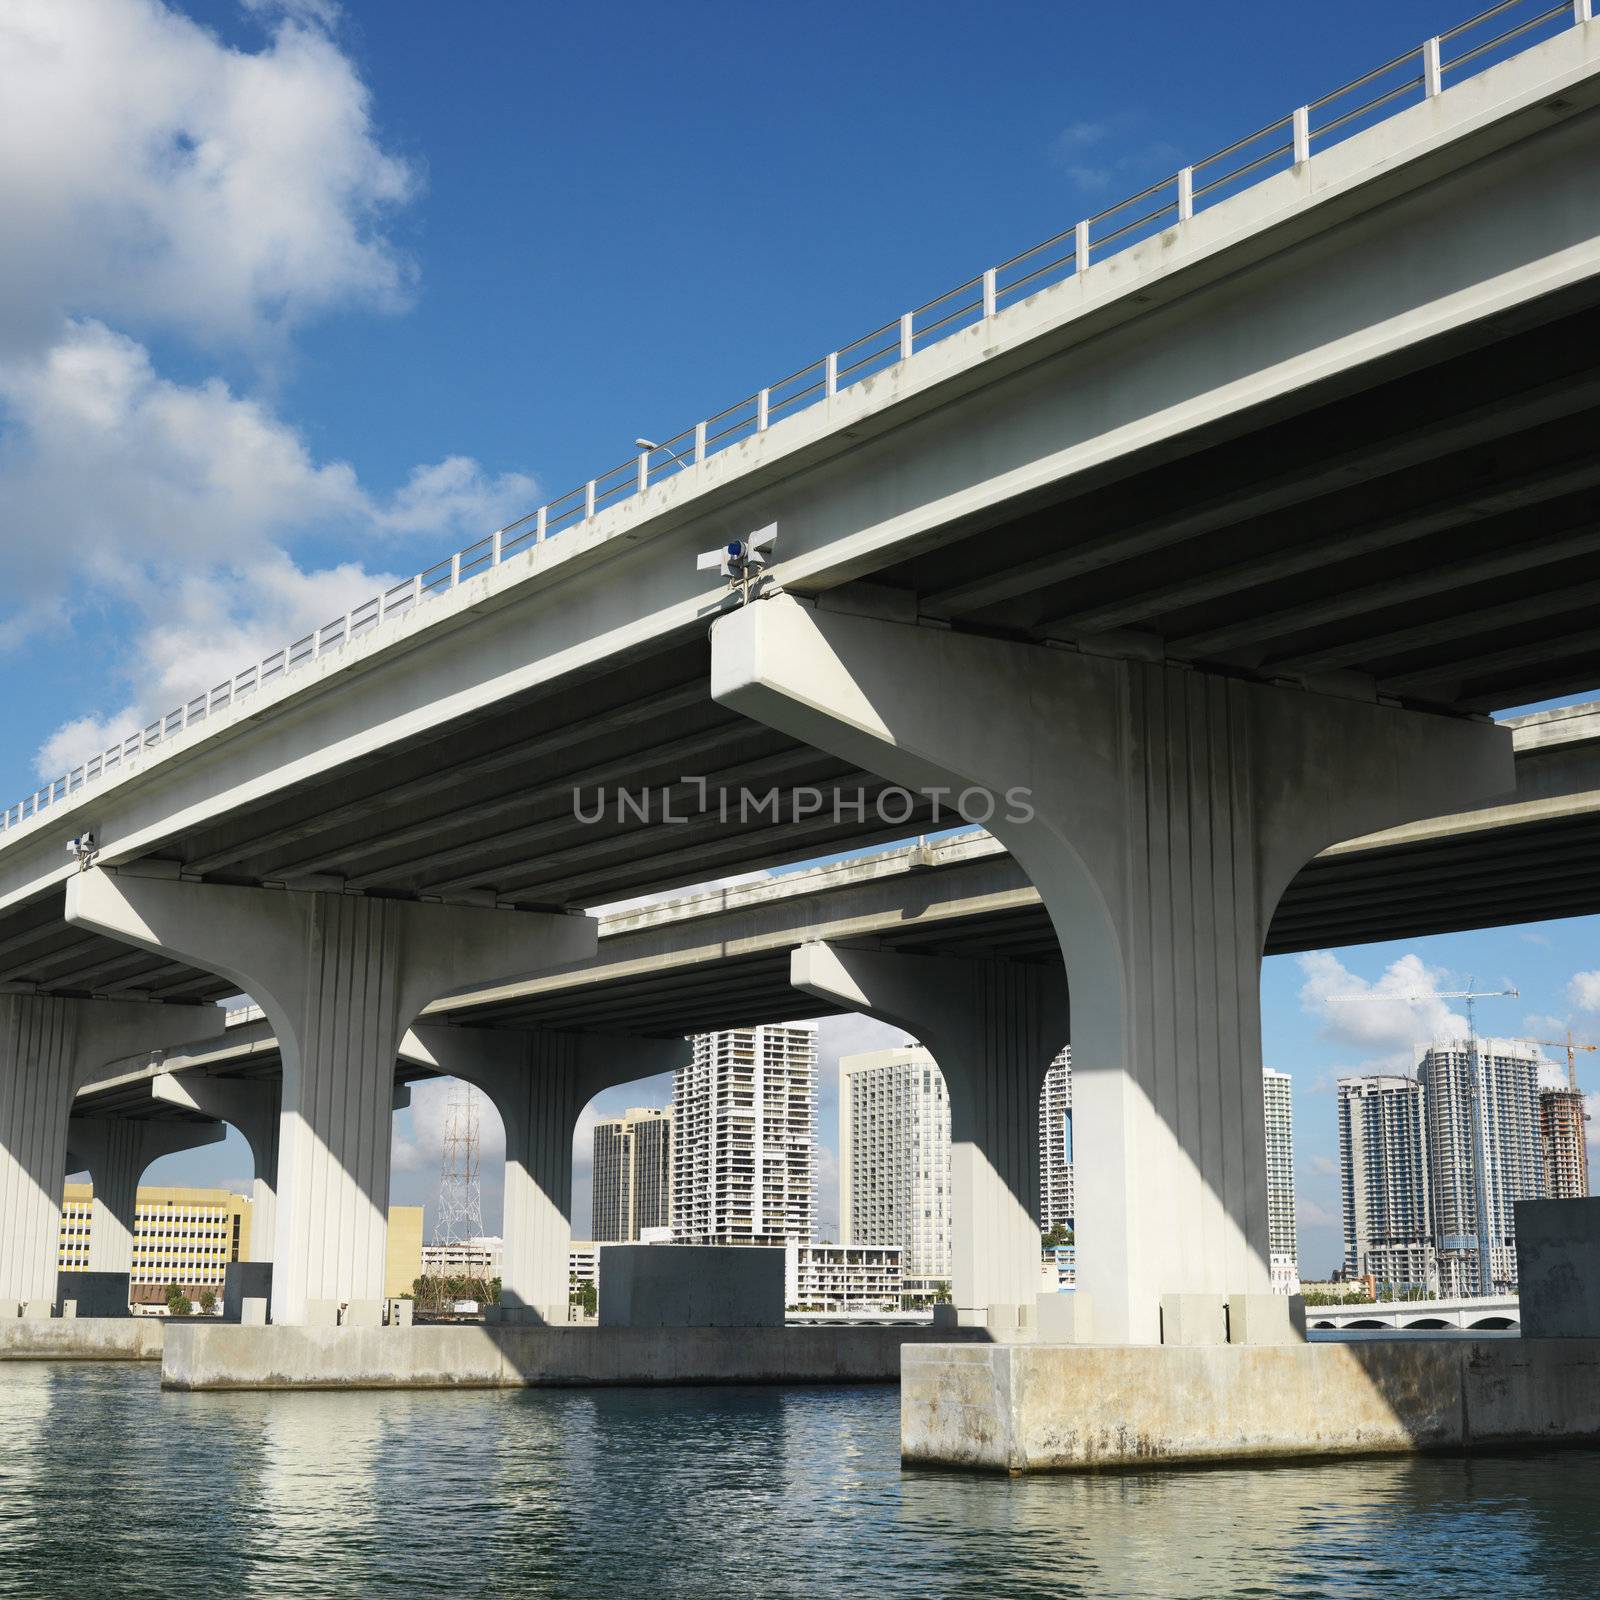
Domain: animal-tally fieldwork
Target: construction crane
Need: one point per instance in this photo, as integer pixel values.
(1572, 1047)
(1480, 1132)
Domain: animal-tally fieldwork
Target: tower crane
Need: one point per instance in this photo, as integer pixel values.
(1572, 1047)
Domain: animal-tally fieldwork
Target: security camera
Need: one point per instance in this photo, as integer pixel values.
(740, 560)
(83, 845)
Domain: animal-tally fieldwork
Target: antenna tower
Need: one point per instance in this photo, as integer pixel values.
(460, 1214)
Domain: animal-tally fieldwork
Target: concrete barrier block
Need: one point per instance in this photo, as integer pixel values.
(253, 1311)
(99, 1294)
(69, 1308)
(1266, 1319)
(362, 1314)
(1064, 1318)
(37, 1310)
(322, 1313)
(1558, 1268)
(944, 1315)
(400, 1313)
(244, 1280)
(1002, 1318)
(1194, 1319)
(692, 1286)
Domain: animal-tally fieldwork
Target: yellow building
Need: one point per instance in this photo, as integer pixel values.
(188, 1237)
(181, 1236)
(404, 1265)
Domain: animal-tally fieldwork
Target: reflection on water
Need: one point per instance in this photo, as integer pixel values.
(110, 1487)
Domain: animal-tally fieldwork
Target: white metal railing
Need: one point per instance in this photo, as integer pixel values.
(1486, 39)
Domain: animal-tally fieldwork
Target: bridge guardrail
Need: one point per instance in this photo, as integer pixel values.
(1482, 41)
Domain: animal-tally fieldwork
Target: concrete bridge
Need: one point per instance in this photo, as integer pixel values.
(1181, 562)
(726, 957)
(1420, 1316)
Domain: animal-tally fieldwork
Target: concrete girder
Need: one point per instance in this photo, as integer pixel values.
(993, 1027)
(48, 1048)
(341, 978)
(539, 1082)
(1160, 813)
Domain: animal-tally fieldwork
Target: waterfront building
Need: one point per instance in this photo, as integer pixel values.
(583, 1263)
(632, 1185)
(1564, 1150)
(180, 1235)
(1056, 1205)
(480, 1257)
(1513, 1169)
(402, 1264)
(744, 1137)
(1383, 1180)
(1277, 1096)
(1058, 1268)
(894, 1161)
(841, 1278)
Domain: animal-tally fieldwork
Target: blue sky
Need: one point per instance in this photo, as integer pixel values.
(319, 293)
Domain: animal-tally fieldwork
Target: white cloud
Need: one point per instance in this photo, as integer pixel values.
(159, 177)
(155, 181)
(1385, 1018)
(121, 488)
(1584, 991)
(1322, 1167)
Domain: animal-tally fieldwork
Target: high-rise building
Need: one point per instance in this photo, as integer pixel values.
(1383, 1178)
(1056, 1204)
(1563, 1147)
(1277, 1097)
(744, 1137)
(1508, 1072)
(894, 1160)
(632, 1174)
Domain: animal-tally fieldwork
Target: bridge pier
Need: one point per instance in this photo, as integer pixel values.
(539, 1081)
(1160, 812)
(255, 1108)
(48, 1047)
(993, 1027)
(115, 1152)
(340, 977)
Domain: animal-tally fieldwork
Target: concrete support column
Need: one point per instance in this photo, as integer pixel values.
(255, 1107)
(993, 1027)
(49, 1047)
(115, 1152)
(340, 977)
(539, 1082)
(1160, 812)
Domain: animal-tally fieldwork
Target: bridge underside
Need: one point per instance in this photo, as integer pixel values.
(1429, 535)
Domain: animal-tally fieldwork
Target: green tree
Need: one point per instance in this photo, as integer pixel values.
(1059, 1234)
(178, 1303)
(208, 1301)
(586, 1297)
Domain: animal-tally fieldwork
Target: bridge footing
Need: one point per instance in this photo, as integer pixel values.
(498, 1356)
(1066, 1408)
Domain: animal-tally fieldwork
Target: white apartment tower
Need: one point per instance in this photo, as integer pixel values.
(1055, 1145)
(894, 1160)
(632, 1174)
(1383, 1178)
(1514, 1170)
(744, 1137)
(1277, 1098)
